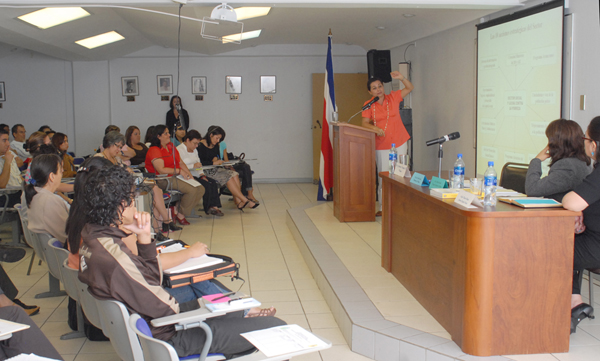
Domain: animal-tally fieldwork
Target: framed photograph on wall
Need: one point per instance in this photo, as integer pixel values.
(164, 84)
(268, 84)
(130, 85)
(233, 84)
(198, 85)
(2, 92)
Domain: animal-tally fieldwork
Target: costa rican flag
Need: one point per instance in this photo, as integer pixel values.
(329, 107)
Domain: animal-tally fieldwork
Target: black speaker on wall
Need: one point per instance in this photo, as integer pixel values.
(379, 64)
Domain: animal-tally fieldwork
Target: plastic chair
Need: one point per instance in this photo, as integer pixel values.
(57, 249)
(70, 283)
(513, 176)
(89, 305)
(155, 349)
(26, 234)
(158, 350)
(115, 324)
(54, 267)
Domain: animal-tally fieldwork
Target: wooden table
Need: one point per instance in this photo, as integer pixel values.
(497, 279)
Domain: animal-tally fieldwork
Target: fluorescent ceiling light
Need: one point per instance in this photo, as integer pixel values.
(99, 40)
(249, 12)
(245, 36)
(49, 17)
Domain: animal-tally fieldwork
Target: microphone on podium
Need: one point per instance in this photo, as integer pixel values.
(443, 139)
(368, 105)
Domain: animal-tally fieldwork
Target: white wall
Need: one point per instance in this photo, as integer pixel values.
(39, 90)
(82, 98)
(444, 70)
(278, 133)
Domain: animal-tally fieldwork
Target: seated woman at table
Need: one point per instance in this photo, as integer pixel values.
(586, 198)
(189, 155)
(164, 158)
(568, 162)
(61, 142)
(208, 150)
(243, 169)
(136, 149)
(112, 143)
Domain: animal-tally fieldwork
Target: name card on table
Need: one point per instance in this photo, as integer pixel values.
(437, 182)
(402, 171)
(419, 179)
(465, 199)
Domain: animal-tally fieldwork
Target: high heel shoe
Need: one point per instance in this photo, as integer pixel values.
(580, 312)
(182, 220)
(175, 217)
(170, 227)
(255, 204)
(243, 206)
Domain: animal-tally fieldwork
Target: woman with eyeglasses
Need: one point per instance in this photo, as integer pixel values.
(568, 162)
(586, 198)
(112, 143)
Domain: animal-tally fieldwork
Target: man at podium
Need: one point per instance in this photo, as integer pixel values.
(384, 117)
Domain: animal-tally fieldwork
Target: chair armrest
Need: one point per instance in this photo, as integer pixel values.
(193, 318)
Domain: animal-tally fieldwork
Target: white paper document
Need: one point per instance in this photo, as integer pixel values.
(191, 182)
(283, 339)
(194, 263)
(8, 327)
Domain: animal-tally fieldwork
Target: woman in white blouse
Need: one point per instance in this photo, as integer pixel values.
(189, 155)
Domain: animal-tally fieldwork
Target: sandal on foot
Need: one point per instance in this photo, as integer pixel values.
(263, 312)
(243, 206)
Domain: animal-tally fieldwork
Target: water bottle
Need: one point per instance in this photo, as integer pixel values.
(458, 179)
(490, 181)
(393, 159)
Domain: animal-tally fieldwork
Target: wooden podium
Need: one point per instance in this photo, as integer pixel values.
(353, 173)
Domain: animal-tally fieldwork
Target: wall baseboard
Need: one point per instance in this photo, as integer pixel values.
(282, 180)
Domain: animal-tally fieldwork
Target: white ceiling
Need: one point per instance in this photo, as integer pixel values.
(290, 22)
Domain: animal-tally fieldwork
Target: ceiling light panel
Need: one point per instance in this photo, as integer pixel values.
(245, 36)
(49, 17)
(100, 40)
(249, 12)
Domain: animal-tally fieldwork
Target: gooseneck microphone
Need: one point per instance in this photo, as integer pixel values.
(443, 139)
(368, 105)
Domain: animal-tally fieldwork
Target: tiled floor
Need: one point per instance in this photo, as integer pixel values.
(277, 275)
(259, 240)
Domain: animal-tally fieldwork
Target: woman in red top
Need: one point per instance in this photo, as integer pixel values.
(384, 117)
(163, 158)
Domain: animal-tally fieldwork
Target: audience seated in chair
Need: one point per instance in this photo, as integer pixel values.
(61, 143)
(208, 151)
(18, 144)
(242, 168)
(136, 149)
(112, 271)
(164, 158)
(113, 143)
(10, 176)
(189, 155)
